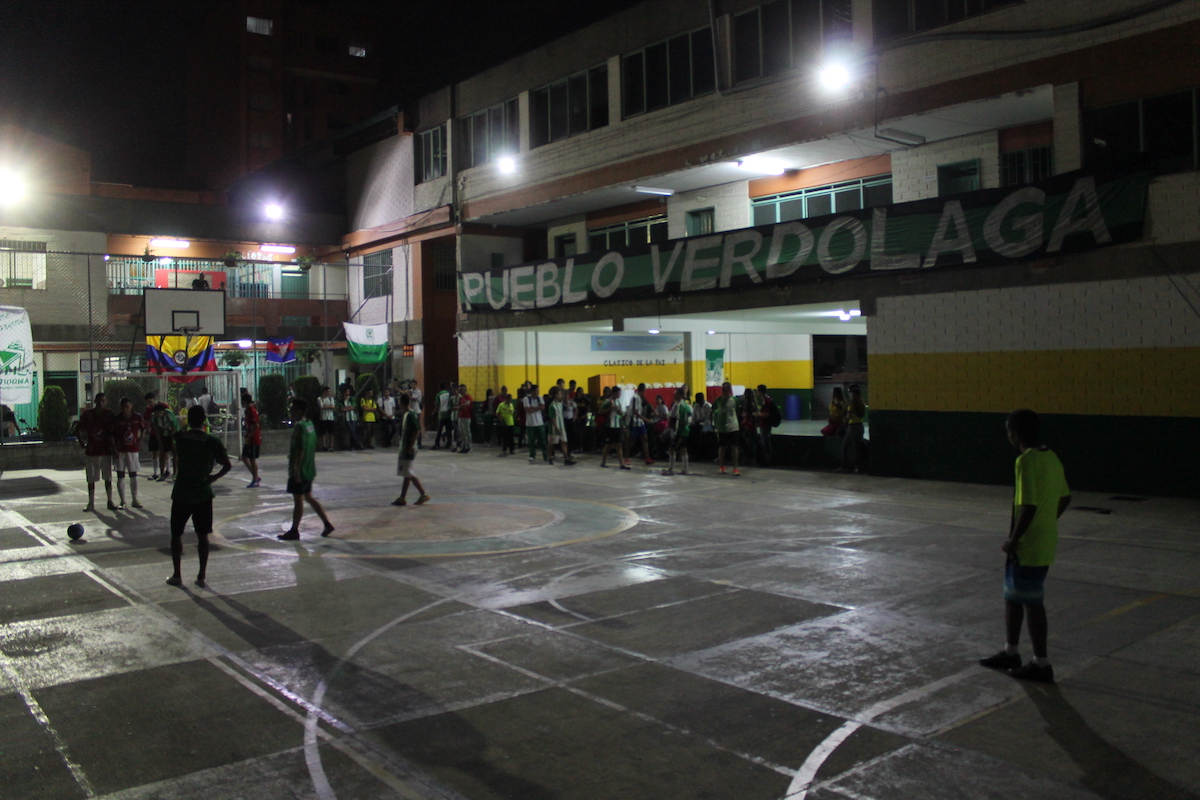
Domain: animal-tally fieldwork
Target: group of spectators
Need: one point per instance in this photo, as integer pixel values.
(363, 418)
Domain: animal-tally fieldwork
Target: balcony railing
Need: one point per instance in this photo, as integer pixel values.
(263, 280)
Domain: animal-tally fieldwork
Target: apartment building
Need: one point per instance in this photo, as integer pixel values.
(966, 206)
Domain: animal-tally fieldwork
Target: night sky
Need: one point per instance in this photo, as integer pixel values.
(109, 75)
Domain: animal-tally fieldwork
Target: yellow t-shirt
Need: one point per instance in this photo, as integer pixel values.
(1040, 482)
(368, 410)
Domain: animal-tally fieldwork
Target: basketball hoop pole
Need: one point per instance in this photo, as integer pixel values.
(187, 347)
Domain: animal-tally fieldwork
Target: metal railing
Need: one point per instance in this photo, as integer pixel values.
(263, 280)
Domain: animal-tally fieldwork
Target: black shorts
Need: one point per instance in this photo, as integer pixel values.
(614, 436)
(201, 515)
(298, 487)
(729, 438)
(250, 450)
(154, 444)
(325, 427)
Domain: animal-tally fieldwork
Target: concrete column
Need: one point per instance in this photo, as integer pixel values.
(693, 363)
(614, 89)
(1068, 129)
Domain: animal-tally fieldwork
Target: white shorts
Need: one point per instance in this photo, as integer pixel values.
(125, 462)
(98, 468)
(553, 440)
(404, 468)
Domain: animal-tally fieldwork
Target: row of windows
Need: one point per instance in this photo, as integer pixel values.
(575, 104)
(629, 234)
(786, 34)
(489, 133)
(668, 73)
(1156, 133)
(894, 18)
(430, 154)
(820, 200)
(264, 26)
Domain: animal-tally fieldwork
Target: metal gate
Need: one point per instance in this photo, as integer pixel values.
(218, 391)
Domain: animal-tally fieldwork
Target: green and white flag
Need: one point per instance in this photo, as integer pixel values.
(16, 356)
(714, 367)
(368, 343)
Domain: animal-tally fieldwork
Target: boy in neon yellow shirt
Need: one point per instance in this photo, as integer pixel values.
(1040, 498)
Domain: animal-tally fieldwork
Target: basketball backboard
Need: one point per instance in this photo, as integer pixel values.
(171, 312)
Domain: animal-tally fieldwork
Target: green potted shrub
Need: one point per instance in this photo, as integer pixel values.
(305, 263)
(273, 397)
(54, 417)
(231, 259)
(308, 389)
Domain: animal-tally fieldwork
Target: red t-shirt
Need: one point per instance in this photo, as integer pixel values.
(253, 429)
(149, 412)
(93, 425)
(465, 404)
(127, 433)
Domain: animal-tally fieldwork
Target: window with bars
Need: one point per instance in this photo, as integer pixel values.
(896, 18)
(629, 234)
(701, 221)
(576, 104)
(669, 72)
(260, 25)
(1156, 133)
(1030, 165)
(22, 264)
(959, 177)
(377, 274)
(786, 34)
(430, 154)
(442, 259)
(565, 246)
(489, 134)
(817, 201)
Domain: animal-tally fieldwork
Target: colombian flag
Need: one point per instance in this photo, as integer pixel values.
(176, 353)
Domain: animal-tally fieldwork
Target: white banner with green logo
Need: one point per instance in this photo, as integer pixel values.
(16, 356)
(368, 343)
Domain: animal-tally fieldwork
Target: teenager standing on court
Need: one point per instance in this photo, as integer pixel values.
(678, 430)
(557, 428)
(725, 419)
(506, 415)
(163, 426)
(442, 407)
(253, 442)
(466, 407)
(191, 498)
(302, 471)
(410, 432)
(93, 434)
(1040, 498)
(535, 429)
(387, 416)
(127, 430)
(368, 406)
(349, 411)
(328, 414)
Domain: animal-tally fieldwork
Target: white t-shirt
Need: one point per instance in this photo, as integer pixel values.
(327, 406)
(533, 414)
(416, 396)
(387, 407)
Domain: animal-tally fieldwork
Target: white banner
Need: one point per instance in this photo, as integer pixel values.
(16, 356)
(368, 343)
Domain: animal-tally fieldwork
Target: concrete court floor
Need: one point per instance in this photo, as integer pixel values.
(545, 632)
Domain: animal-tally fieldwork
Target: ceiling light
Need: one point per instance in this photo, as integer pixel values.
(654, 330)
(507, 165)
(712, 333)
(762, 165)
(834, 76)
(899, 136)
(175, 244)
(854, 312)
(245, 344)
(273, 211)
(165, 260)
(276, 248)
(843, 316)
(653, 190)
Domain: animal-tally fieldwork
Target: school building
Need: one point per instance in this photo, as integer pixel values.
(965, 206)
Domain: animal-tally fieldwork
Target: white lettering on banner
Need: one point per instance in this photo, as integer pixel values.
(1030, 226)
(879, 257)
(692, 262)
(661, 276)
(952, 213)
(515, 277)
(472, 285)
(606, 290)
(491, 297)
(729, 258)
(547, 278)
(568, 295)
(1084, 191)
(778, 236)
(836, 266)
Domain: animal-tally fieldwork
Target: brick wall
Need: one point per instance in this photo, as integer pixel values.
(914, 171)
(730, 203)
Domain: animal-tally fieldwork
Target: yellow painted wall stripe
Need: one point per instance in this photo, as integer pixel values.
(1154, 382)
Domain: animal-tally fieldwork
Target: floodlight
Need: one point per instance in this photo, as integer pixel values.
(507, 165)
(273, 211)
(12, 187)
(834, 76)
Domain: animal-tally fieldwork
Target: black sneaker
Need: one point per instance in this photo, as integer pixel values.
(1001, 661)
(1032, 672)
